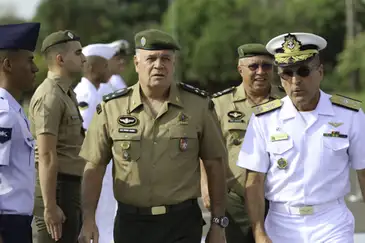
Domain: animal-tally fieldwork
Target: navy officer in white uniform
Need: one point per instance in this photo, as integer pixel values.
(299, 150)
(17, 169)
(96, 73)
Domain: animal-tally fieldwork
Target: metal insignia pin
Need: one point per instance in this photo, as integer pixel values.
(282, 163)
(183, 144)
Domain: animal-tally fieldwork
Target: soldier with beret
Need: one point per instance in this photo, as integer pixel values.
(56, 124)
(17, 173)
(155, 132)
(298, 151)
(234, 107)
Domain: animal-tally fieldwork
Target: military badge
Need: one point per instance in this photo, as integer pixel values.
(127, 130)
(335, 124)
(183, 144)
(183, 119)
(125, 145)
(69, 34)
(126, 155)
(282, 163)
(5, 134)
(83, 105)
(335, 134)
(279, 137)
(98, 109)
(235, 114)
(143, 41)
(127, 121)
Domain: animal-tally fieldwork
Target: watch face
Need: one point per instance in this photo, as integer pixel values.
(224, 221)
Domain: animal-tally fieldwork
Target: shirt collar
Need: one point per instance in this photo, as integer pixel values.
(88, 84)
(12, 102)
(324, 107)
(239, 93)
(174, 96)
(64, 84)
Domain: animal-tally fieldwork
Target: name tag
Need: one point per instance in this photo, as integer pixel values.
(279, 137)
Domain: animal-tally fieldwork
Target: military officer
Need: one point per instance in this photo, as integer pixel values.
(17, 173)
(116, 66)
(234, 107)
(95, 73)
(155, 131)
(57, 126)
(300, 149)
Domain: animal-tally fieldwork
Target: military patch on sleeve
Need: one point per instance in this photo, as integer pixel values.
(83, 105)
(267, 107)
(346, 102)
(98, 109)
(116, 94)
(5, 134)
(223, 92)
(193, 89)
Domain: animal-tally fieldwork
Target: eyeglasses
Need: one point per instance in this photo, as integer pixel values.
(302, 71)
(264, 66)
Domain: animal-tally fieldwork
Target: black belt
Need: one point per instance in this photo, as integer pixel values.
(68, 177)
(157, 210)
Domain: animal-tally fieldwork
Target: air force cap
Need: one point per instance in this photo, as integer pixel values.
(19, 36)
(295, 48)
(120, 46)
(100, 50)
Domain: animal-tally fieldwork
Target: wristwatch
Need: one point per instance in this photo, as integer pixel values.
(221, 221)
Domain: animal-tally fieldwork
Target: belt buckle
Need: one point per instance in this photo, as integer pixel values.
(158, 210)
(306, 210)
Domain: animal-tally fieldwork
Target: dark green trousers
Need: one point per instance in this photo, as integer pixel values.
(68, 199)
(182, 226)
(239, 229)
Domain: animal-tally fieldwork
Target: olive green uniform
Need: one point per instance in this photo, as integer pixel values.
(155, 161)
(53, 110)
(234, 111)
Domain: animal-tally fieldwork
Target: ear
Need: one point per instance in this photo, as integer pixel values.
(136, 62)
(321, 71)
(59, 60)
(7, 65)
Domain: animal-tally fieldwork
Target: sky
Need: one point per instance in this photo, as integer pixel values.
(22, 8)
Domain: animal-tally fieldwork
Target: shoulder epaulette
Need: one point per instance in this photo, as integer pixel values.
(116, 94)
(4, 104)
(267, 107)
(193, 89)
(223, 92)
(346, 102)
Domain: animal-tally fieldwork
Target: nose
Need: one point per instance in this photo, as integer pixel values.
(83, 58)
(296, 79)
(158, 63)
(260, 70)
(35, 69)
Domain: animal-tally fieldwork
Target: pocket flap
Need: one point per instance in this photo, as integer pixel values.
(183, 132)
(279, 147)
(336, 144)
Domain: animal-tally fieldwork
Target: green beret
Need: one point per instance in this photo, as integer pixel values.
(58, 37)
(153, 39)
(253, 49)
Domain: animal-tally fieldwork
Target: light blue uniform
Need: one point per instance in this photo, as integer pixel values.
(17, 170)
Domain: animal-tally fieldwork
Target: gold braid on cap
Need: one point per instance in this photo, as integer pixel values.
(292, 52)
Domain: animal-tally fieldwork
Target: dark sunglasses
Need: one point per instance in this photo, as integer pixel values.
(264, 66)
(302, 71)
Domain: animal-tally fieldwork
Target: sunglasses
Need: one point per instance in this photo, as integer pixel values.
(264, 66)
(302, 71)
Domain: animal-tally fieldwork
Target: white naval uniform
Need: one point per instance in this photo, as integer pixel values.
(317, 171)
(115, 83)
(17, 169)
(87, 93)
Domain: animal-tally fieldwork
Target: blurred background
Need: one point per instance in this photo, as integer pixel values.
(209, 32)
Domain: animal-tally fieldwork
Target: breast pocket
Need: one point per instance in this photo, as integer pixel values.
(235, 134)
(127, 147)
(335, 152)
(280, 149)
(74, 123)
(183, 142)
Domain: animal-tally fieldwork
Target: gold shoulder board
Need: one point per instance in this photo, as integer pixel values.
(346, 102)
(267, 107)
(116, 94)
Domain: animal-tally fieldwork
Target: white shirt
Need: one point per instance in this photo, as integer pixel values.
(17, 169)
(317, 166)
(114, 83)
(88, 98)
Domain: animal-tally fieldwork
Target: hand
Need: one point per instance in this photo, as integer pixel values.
(263, 239)
(216, 234)
(54, 218)
(89, 231)
(205, 197)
